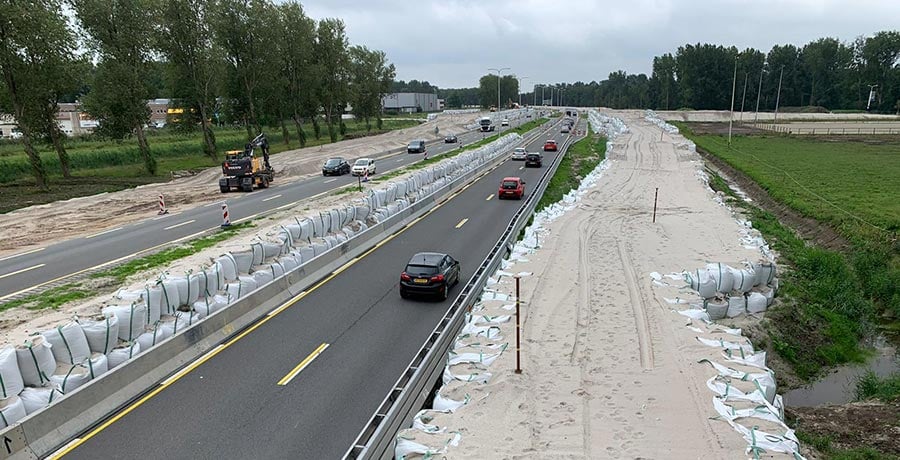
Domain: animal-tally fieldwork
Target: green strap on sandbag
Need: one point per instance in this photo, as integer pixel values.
(66, 343)
(106, 343)
(37, 367)
(3, 386)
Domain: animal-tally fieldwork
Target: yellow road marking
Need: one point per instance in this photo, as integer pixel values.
(489, 197)
(179, 225)
(293, 373)
(462, 222)
(22, 254)
(21, 271)
(102, 233)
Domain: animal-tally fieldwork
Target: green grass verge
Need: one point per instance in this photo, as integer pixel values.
(824, 312)
(850, 185)
(870, 386)
(581, 158)
(824, 446)
(54, 297)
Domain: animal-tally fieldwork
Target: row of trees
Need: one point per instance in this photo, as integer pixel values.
(825, 72)
(254, 62)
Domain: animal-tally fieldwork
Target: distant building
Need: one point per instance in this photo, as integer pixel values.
(159, 110)
(410, 102)
(75, 122)
(8, 128)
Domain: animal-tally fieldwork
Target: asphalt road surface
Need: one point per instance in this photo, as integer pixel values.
(336, 351)
(25, 272)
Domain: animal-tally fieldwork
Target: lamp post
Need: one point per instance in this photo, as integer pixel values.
(498, 84)
(520, 84)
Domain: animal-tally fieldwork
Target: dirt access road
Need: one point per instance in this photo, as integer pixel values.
(27, 228)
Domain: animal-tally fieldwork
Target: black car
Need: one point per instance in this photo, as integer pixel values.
(416, 147)
(335, 167)
(429, 273)
(534, 159)
(451, 139)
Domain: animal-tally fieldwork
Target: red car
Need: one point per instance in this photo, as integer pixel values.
(511, 187)
(550, 145)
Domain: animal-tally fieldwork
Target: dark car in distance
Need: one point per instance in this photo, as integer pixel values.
(335, 167)
(534, 159)
(429, 273)
(451, 139)
(417, 146)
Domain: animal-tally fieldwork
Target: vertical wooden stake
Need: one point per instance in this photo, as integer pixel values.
(518, 344)
(655, 197)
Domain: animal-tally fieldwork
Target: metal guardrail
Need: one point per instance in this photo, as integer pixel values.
(409, 393)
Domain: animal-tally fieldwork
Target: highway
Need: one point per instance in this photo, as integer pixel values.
(25, 272)
(302, 382)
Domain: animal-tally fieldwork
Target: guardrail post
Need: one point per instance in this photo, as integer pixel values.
(518, 344)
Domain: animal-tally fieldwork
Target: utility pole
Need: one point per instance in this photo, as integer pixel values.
(743, 98)
(498, 85)
(758, 92)
(519, 79)
(778, 97)
(733, 88)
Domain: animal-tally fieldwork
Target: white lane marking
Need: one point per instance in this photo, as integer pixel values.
(21, 271)
(214, 203)
(164, 216)
(272, 197)
(329, 181)
(103, 232)
(489, 197)
(179, 225)
(462, 222)
(22, 254)
(289, 205)
(521, 168)
(399, 160)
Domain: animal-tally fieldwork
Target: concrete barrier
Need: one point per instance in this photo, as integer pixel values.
(44, 432)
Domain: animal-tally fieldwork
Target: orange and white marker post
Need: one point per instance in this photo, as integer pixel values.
(226, 219)
(366, 177)
(162, 206)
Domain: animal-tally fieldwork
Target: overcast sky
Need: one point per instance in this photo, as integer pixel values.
(452, 43)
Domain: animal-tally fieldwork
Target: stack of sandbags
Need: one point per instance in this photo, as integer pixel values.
(731, 292)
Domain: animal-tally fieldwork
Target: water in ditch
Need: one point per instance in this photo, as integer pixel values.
(839, 385)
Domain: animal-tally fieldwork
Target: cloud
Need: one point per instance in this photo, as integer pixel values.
(452, 43)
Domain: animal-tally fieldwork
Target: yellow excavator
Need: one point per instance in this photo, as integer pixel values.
(242, 169)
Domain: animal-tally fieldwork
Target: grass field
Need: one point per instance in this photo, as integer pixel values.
(832, 299)
(107, 166)
(581, 158)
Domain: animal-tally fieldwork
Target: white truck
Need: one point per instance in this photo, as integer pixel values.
(486, 124)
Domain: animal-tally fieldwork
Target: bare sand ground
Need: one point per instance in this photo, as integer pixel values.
(610, 371)
(41, 225)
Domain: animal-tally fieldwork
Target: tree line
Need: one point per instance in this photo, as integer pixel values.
(249, 62)
(825, 72)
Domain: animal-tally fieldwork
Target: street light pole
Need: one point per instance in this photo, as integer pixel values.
(498, 84)
(519, 89)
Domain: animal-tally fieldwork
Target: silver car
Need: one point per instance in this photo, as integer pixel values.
(519, 154)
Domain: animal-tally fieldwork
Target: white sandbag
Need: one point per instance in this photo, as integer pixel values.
(209, 282)
(756, 302)
(228, 266)
(129, 296)
(263, 275)
(271, 250)
(362, 212)
(317, 225)
(744, 280)
(36, 399)
(294, 229)
(10, 378)
(307, 253)
(769, 293)
(715, 308)
(211, 304)
(289, 262)
(97, 365)
(258, 254)
(181, 283)
(102, 334)
(169, 301)
(132, 319)
(319, 248)
(153, 296)
(12, 410)
(243, 260)
(331, 241)
(68, 377)
(335, 220)
(194, 290)
(765, 272)
(178, 322)
(701, 281)
(722, 274)
(245, 285)
(36, 361)
(737, 306)
(154, 335)
(306, 228)
(69, 343)
(122, 353)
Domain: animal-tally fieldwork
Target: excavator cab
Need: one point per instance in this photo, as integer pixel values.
(242, 169)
